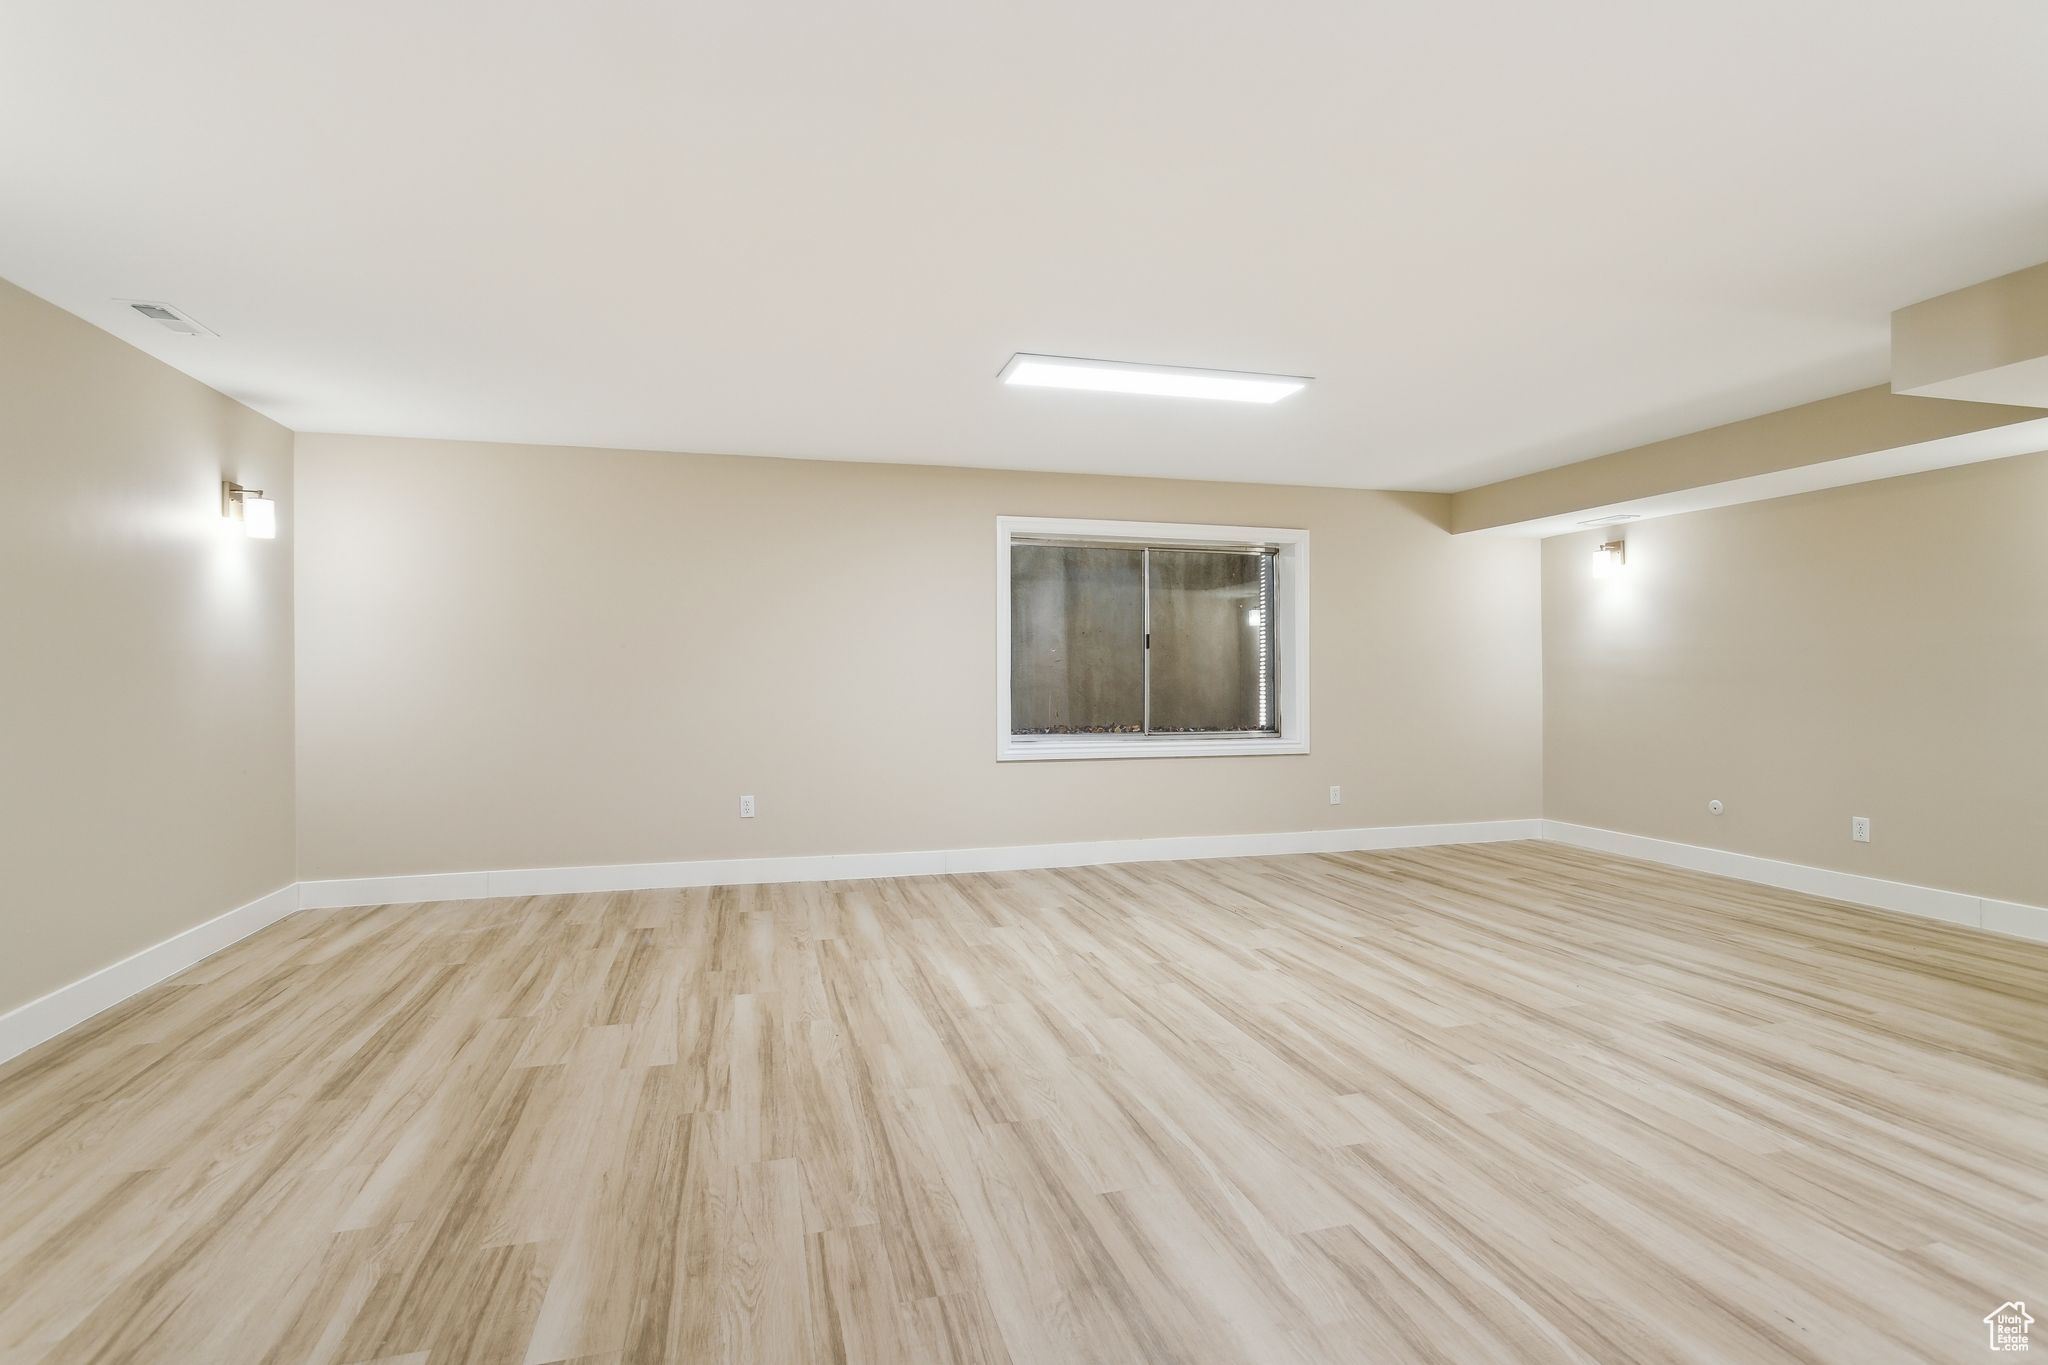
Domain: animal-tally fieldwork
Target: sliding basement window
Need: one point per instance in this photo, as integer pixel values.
(1149, 639)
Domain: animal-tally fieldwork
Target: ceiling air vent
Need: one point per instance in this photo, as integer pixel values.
(166, 316)
(1614, 520)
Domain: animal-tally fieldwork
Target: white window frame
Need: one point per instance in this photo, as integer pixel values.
(1290, 639)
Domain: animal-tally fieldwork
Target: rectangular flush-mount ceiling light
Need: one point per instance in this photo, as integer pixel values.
(1159, 381)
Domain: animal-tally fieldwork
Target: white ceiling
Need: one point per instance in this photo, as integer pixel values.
(1502, 235)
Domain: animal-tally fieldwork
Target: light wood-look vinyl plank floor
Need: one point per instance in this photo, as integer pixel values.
(1495, 1103)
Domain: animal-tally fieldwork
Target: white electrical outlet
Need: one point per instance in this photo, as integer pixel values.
(1859, 828)
(1336, 796)
(746, 808)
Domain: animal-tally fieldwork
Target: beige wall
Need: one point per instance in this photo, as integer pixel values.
(1880, 650)
(516, 656)
(146, 692)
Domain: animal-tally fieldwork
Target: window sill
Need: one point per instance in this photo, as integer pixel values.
(1011, 749)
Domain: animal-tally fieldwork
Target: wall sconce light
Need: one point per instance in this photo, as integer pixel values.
(257, 513)
(1610, 558)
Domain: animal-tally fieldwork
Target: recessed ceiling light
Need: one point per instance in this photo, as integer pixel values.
(1159, 381)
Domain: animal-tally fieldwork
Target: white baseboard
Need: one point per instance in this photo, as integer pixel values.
(405, 890)
(2016, 920)
(1998, 917)
(548, 881)
(43, 1019)
(39, 1020)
